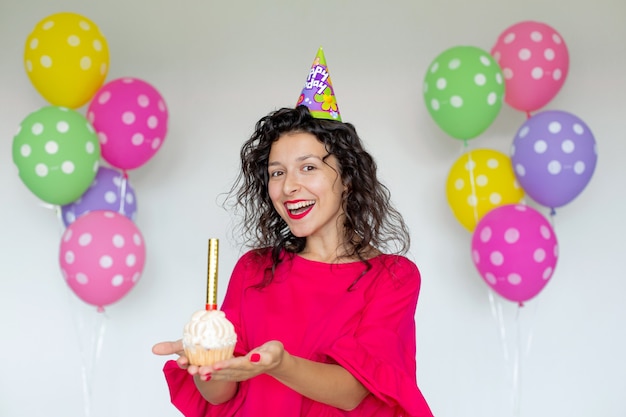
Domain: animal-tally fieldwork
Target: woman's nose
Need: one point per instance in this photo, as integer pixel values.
(291, 184)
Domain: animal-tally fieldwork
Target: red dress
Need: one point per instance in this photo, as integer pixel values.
(370, 331)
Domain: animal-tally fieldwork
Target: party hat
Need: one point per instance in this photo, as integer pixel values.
(318, 94)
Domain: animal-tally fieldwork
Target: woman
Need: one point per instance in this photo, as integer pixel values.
(324, 318)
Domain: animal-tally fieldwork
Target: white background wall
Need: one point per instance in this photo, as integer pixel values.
(221, 66)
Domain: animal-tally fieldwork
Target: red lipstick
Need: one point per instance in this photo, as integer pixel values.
(300, 214)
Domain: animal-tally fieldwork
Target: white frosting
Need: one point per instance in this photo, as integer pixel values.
(209, 329)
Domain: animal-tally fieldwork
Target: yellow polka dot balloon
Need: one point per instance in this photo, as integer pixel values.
(479, 181)
(66, 58)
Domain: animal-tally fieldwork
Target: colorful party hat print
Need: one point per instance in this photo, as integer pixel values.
(318, 94)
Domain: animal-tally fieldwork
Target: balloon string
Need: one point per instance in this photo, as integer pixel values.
(553, 217)
(463, 148)
(520, 350)
(59, 214)
(96, 343)
(90, 351)
(474, 206)
(123, 193)
(517, 366)
(496, 312)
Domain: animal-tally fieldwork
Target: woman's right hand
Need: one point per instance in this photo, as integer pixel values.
(172, 348)
(213, 392)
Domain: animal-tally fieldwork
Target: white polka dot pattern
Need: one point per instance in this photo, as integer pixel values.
(57, 154)
(66, 58)
(131, 118)
(463, 91)
(110, 190)
(102, 255)
(554, 156)
(515, 250)
(535, 62)
(479, 181)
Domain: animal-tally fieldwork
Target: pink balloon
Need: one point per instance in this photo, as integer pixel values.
(535, 62)
(102, 255)
(515, 250)
(130, 118)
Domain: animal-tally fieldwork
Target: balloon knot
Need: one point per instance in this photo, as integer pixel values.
(100, 309)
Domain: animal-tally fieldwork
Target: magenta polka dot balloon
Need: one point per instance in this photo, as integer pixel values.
(514, 248)
(130, 118)
(102, 255)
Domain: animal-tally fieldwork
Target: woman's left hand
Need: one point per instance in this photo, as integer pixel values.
(258, 361)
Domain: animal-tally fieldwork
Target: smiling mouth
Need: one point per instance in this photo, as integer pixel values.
(299, 209)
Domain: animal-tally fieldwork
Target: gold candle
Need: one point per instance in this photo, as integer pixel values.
(211, 289)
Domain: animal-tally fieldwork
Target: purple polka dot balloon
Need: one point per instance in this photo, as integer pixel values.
(554, 156)
(108, 191)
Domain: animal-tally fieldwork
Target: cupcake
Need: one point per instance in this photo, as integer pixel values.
(209, 337)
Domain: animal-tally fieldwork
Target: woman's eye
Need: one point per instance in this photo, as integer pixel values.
(275, 173)
(308, 168)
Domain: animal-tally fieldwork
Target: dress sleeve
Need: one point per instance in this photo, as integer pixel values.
(183, 392)
(187, 399)
(380, 353)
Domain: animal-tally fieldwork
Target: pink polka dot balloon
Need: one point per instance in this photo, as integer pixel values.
(515, 250)
(534, 61)
(102, 255)
(130, 118)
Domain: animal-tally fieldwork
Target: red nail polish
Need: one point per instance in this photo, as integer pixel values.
(207, 377)
(255, 357)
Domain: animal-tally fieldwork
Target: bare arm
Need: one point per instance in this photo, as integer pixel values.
(322, 382)
(215, 392)
(326, 383)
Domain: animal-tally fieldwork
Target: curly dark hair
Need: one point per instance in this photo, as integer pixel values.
(370, 219)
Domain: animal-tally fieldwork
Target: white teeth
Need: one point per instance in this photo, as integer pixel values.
(299, 205)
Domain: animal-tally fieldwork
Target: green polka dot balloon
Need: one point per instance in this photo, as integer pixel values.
(57, 153)
(464, 91)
